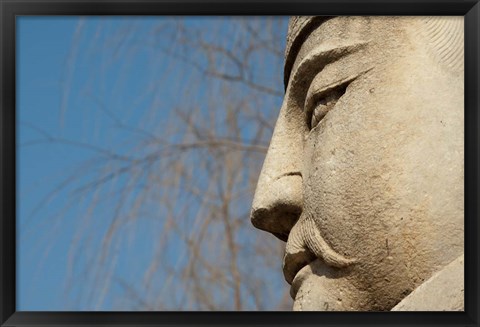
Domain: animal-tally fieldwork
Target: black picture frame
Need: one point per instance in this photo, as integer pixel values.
(9, 9)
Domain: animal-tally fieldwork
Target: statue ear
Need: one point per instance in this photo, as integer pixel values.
(444, 39)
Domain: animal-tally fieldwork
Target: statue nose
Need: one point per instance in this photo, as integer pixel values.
(277, 205)
(278, 199)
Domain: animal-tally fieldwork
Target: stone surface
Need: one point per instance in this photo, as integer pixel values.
(364, 174)
(444, 291)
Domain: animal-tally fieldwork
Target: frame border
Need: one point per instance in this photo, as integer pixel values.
(9, 9)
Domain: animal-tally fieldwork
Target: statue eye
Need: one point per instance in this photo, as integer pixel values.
(323, 103)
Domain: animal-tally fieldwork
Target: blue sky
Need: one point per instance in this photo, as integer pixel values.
(42, 48)
(78, 81)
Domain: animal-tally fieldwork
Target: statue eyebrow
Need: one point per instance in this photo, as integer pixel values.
(314, 62)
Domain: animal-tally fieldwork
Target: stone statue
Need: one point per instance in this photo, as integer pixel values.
(364, 176)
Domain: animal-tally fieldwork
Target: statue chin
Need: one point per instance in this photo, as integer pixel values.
(317, 287)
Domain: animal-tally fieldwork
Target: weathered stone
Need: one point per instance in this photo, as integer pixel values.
(364, 175)
(444, 291)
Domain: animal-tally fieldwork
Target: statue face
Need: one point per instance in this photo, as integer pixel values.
(364, 174)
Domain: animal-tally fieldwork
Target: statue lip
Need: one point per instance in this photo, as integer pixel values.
(298, 280)
(294, 262)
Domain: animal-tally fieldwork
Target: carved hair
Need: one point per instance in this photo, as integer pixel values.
(445, 40)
